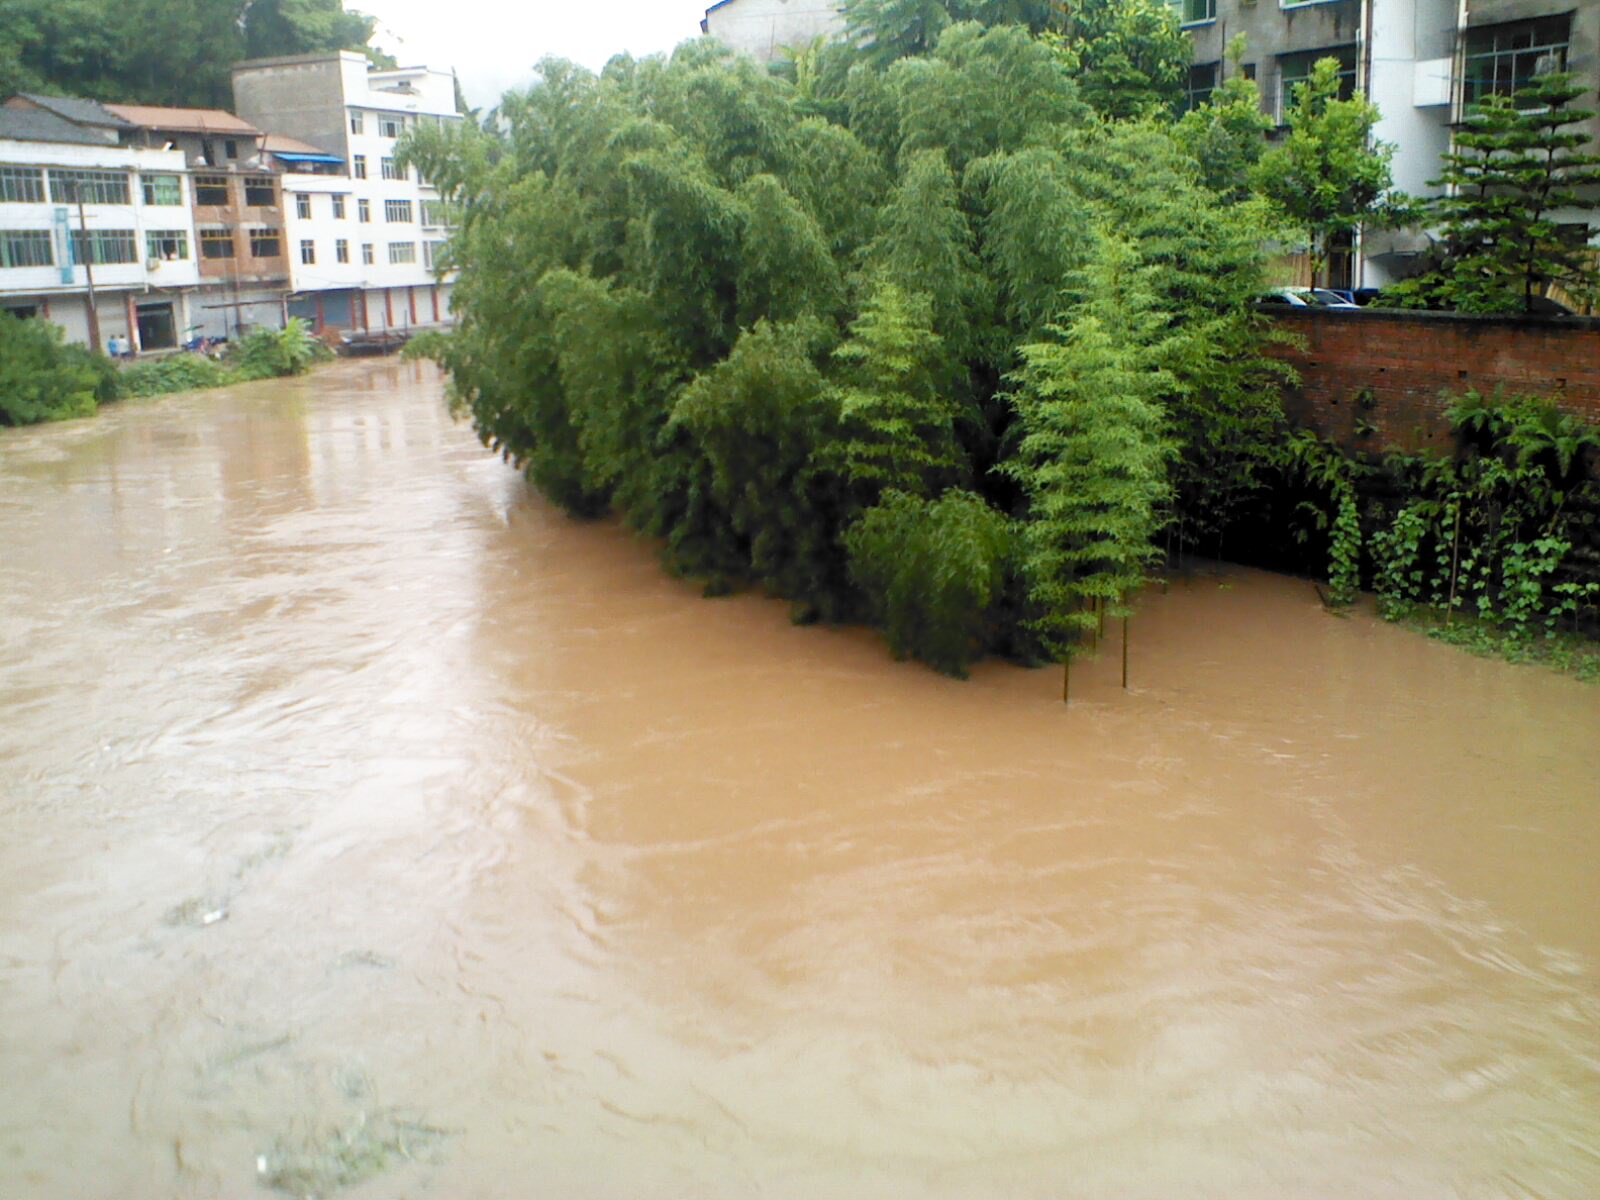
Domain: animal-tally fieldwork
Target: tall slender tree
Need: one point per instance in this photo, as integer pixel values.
(1330, 176)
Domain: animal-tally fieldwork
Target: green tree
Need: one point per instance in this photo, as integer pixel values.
(1227, 134)
(1092, 459)
(897, 429)
(887, 30)
(42, 379)
(1514, 163)
(932, 572)
(160, 51)
(759, 417)
(1329, 176)
(1130, 56)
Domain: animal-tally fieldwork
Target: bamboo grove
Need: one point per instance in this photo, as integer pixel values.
(952, 334)
(928, 341)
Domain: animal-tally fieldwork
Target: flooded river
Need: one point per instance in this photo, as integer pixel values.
(371, 829)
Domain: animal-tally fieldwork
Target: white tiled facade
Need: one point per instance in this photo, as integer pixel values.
(369, 266)
(158, 283)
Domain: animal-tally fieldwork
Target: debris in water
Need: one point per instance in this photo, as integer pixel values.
(335, 1159)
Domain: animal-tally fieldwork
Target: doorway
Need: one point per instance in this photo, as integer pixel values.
(157, 329)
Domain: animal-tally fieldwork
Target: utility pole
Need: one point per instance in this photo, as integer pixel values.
(88, 268)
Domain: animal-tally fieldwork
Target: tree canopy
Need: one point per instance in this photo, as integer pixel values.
(176, 52)
(908, 331)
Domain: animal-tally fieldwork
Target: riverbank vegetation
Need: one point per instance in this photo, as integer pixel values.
(44, 379)
(951, 328)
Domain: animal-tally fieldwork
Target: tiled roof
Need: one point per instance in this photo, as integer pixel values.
(34, 125)
(186, 120)
(84, 112)
(288, 145)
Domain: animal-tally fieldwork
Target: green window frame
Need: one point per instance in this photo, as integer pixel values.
(26, 248)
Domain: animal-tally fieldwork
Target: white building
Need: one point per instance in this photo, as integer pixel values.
(362, 235)
(764, 29)
(134, 230)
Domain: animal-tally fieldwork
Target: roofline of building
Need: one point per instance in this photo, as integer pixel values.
(293, 60)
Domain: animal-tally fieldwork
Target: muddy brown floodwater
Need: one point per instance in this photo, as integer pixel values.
(371, 829)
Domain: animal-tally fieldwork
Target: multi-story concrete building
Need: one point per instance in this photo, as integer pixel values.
(764, 29)
(362, 233)
(1422, 62)
(238, 207)
(96, 236)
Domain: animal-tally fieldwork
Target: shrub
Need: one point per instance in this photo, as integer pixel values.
(180, 373)
(269, 354)
(932, 572)
(42, 379)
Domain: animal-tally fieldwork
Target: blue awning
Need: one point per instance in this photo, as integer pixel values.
(289, 156)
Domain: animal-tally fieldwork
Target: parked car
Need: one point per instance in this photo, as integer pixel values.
(1303, 297)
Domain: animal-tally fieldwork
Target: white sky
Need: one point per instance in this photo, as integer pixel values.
(493, 44)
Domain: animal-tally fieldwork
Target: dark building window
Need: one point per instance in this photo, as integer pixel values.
(260, 192)
(1295, 69)
(216, 243)
(1194, 12)
(104, 246)
(211, 191)
(89, 187)
(1500, 59)
(26, 248)
(265, 243)
(1202, 82)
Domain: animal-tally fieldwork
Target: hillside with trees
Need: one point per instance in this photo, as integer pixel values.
(175, 52)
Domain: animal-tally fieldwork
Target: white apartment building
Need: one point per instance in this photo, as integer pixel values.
(73, 203)
(764, 29)
(362, 235)
(1422, 62)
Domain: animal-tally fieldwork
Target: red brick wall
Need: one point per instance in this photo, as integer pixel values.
(1394, 371)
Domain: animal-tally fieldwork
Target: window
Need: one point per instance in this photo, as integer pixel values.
(103, 246)
(216, 243)
(361, 166)
(338, 206)
(397, 210)
(357, 125)
(1194, 12)
(308, 253)
(366, 253)
(1249, 71)
(430, 254)
(391, 127)
(432, 212)
(210, 191)
(26, 248)
(167, 244)
(341, 250)
(1500, 59)
(260, 192)
(265, 243)
(161, 189)
(208, 152)
(402, 252)
(390, 171)
(364, 211)
(21, 185)
(1202, 82)
(1295, 69)
(230, 148)
(302, 206)
(90, 187)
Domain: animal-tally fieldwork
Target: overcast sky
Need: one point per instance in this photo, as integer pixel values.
(493, 44)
